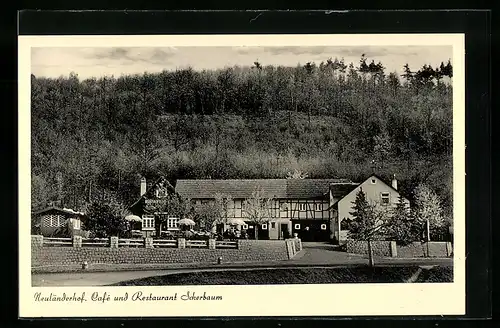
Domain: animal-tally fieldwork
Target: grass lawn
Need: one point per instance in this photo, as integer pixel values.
(298, 276)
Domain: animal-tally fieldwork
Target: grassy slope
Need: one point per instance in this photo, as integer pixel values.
(298, 276)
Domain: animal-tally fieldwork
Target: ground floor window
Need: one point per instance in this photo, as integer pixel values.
(148, 222)
(172, 223)
(53, 221)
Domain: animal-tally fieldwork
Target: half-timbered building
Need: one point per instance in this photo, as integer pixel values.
(314, 209)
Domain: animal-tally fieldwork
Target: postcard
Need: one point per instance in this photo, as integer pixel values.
(241, 175)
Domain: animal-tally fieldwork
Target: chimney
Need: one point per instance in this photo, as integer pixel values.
(143, 186)
(394, 182)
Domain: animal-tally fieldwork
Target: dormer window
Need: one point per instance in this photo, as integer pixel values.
(161, 192)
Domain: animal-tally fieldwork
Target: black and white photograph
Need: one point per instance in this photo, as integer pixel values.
(241, 164)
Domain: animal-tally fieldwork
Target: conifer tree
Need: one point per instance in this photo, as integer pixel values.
(362, 224)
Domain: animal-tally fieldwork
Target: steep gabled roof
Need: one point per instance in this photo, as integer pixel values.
(272, 188)
(358, 184)
(152, 188)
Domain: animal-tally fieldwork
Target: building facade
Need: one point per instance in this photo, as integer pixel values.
(314, 209)
(57, 221)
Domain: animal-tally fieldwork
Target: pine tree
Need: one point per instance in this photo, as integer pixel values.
(362, 224)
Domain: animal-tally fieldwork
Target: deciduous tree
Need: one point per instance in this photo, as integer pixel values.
(257, 209)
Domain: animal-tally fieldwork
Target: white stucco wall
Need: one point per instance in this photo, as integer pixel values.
(373, 193)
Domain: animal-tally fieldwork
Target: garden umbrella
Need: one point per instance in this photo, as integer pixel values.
(133, 218)
(236, 222)
(188, 222)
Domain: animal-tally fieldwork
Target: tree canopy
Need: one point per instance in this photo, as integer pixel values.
(95, 138)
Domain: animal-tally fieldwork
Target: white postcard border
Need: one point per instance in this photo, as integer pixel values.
(268, 300)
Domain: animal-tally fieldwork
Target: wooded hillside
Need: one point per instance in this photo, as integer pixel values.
(94, 138)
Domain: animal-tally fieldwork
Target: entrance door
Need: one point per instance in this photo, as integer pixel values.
(263, 234)
(284, 233)
(311, 230)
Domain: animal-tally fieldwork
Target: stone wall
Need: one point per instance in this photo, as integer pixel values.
(248, 250)
(390, 249)
(415, 249)
(380, 248)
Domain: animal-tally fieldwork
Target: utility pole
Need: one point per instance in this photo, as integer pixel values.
(370, 254)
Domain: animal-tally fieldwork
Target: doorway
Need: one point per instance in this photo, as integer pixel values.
(284, 233)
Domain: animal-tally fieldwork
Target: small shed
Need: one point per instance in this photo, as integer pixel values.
(52, 220)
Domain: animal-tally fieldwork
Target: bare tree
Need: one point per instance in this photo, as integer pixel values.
(258, 209)
(297, 174)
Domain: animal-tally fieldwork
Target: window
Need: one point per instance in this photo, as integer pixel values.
(374, 181)
(323, 226)
(172, 223)
(302, 206)
(245, 227)
(251, 227)
(53, 221)
(264, 226)
(76, 224)
(297, 226)
(319, 207)
(148, 222)
(161, 192)
(273, 225)
(385, 198)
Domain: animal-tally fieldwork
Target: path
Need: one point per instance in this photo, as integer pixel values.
(313, 255)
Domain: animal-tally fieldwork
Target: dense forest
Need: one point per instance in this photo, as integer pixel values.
(95, 138)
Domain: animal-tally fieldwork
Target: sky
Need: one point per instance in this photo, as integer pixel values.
(116, 61)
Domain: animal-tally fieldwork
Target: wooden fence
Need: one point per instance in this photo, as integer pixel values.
(163, 243)
(115, 242)
(95, 242)
(63, 242)
(226, 244)
(196, 243)
(129, 242)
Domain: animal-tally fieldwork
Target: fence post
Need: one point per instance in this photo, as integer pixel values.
(211, 244)
(181, 243)
(394, 249)
(77, 241)
(148, 242)
(37, 241)
(299, 243)
(113, 242)
(449, 248)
